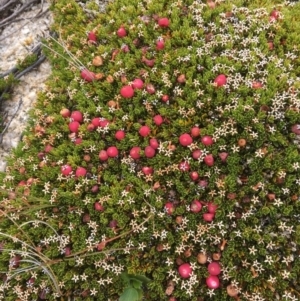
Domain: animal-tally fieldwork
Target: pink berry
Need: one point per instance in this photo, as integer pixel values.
(184, 166)
(220, 80)
(185, 139)
(194, 175)
(223, 156)
(207, 140)
(74, 126)
(158, 120)
(208, 217)
(154, 143)
(195, 131)
(77, 116)
(103, 156)
(212, 282)
(98, 206)
(209, 160)
(135, 152)
(92, 36)
(66, 170)
(150, 89)
(90, 127)
(212, 208)
(87, 75)
(80, 172)
(214, 268)
(78, 141)
(185, 270)
(165, 98)
(121, 32)
(112, 152)
(127, 92)
(65, 113)
(196, 206)
(196, 154)
(160, 44)
(103, 122)
(120, 135)
(144, 130)
(149, 151)
(169, 208)
(96, 122)
(296, 129)
(137, 84)
(163, 22)
(147, 170)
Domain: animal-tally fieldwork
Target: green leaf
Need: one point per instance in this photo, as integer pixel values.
(129, 294)
(136, 283)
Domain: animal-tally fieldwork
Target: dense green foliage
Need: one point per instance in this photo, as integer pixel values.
(73, 234)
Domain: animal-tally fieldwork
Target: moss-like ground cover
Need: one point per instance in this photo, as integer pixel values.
(165, 146)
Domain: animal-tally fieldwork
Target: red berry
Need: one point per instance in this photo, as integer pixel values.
(212, 282)
(194, 175)
(103, 156)
(195, 131)
(185, 270)
(127, 92)
(87, 75)
(214, 268)
(103, 122)
(169, 208)
(66, 170)
(80, 172)
(112, 152)
(212, 208)
(158, 120)
(207, 140)
(274, 15)
(149, 151)
(135, 152)
(65, 112)
(223, 156)
(208, 217)
(137, 84)
(196, 206)
(121, 32)
(144, 130)
(160, 44)
(90, 127)
(220, 80)
(77, 116)
(78, 141)
(96, 122)
(257, 85)
(48, 148)
(98, 206)
(296, 129)
(120, 135)
(163, 22)
(92, 36)
(165, 98)
(154, 143)
(74, 126)
(184, 166)
(209, 160)
(185, 139)
(196, 154)
(147, 170)
(150, 89)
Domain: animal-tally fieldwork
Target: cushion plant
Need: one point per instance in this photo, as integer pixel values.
(165, 147)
